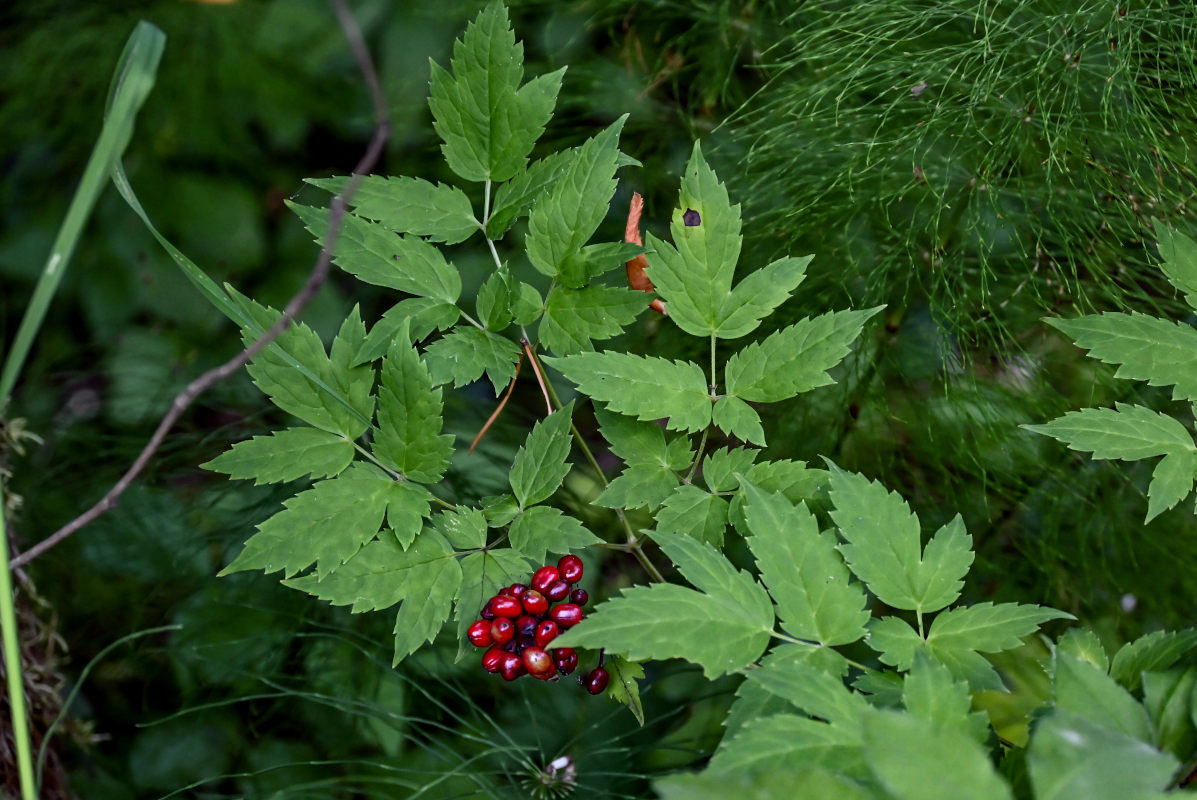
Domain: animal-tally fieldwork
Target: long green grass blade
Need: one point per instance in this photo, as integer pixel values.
(131, 84)
(12, 666)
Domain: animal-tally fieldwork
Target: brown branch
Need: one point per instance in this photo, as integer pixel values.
(318, 274)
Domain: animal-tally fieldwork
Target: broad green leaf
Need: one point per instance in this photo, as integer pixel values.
(913, 759)
(931, 693)
(410, 205)
(789, 741)
(894, 640)
(1127, 432)
(376, 255)
(794, 359)
(514, 198)
(407, 507)
(646, 388)
(722, 467)
(1171, 482)
(816, 599)
(542, 529)
(1179, 255)
(462, 355)
(793, 479)
(464, 528)
(526, 304)
(327, 524)
(1155, 651)
(882, 546)
(285, 455)
(624, 687)
(328, 392)
(381, 574)
(1148, 349)
(500, 509)
(573, 318)
(428, 605)
(722, 627)
(421, 315)
(736, 418)
(957, 635)
(565, 218)
(694, 274)
(596, 259)
(812, 690)
(1083, 689)
(639, 485)
(800, 783)
(634, 441)
(754, 701)
(1084, 644)
(540, 465)
(488, 123)
(483, 574)
(690, 511)
(756, 297)
(884, 689)
(408, 436)
(1168, 698)
(1071, 757)
(494, 300)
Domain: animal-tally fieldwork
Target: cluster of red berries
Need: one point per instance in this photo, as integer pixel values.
(520, 622)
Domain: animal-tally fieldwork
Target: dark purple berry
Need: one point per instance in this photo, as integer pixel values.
(511, 667)
(558, 590)
(566, 659)
(488, 613)
(579, 597)
(570, 568)
(596, 680)
(516, 589)
(525, 625)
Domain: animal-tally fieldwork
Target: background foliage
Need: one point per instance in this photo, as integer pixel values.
(974, 169)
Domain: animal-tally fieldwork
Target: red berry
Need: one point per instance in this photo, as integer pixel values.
(493, 658)
(596, 680)
(558, 590)
(516, 589)
(511, 667)
(566, 659)
(570, 568)
(537, 660)
(504, 605)
(566, 615)
(488, 613)
(534, 602)
(480, 635)
(544, 577)
(502, 630)
(546, 632)
(579, 597)
(526, 625)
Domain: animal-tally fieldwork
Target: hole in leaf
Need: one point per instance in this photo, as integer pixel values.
(691, 218)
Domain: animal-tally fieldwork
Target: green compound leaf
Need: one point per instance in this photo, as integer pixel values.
(722, 467)
(753, 700)
(540, 465)
(1070, 757)
(883, 544)
(914, 759)
(1148, 349)
(408, 437)
(514, 199)
(1171, 482)
(494, 300)
(327, 391)
(542, 529)
(1168, 698)
(420, 315)
(488, 123)
(789, 742)
(406, 510)
(647, 388)
(1179, 254)
(816, 599)
(285, 455)
(730, 609)
(463, 528)
(930, 692)
(690, 511)
(639, 486)
(736, 418)
(374, 254)
(1087, 691)
(756, 297)
(1127, 432)
(427, 607)
(812, 690)
(797, 783)
(956, 636)
(573, 318)
(1084, 644)
(1155, 651)
(466, 352)
(327, 524)
(410, 205)
(634, 441)
(794, 359)
(565, 218)
(623, 687)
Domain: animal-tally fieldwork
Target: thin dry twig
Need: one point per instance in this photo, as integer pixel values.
(319, 273)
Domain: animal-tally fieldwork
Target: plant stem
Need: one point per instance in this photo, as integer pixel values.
(816, 646)
(12, 665)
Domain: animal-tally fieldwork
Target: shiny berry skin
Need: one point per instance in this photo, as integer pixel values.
(558, 590)
(511, 667)
(570, 568)
(480, 635)
(566, 659)
(537, 661)
(526, 625)
(502, 630)
(504, 605)
(544, 577)
(579, 597)
(534, 602)
(596, 680)
(546, 632)
(516, 589)
(493, 659)
(488, 613)
(566, 615)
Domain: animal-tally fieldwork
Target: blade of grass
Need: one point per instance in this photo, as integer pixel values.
(131, 84)
(12, 666)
